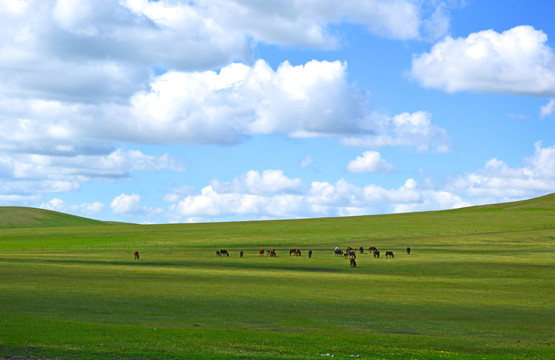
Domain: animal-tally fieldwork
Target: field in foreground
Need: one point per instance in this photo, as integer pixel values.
(479, 284)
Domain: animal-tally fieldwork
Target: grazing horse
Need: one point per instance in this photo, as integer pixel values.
(136, 255)
(389, 254)
(261, 252)
(297, 252)
(408, 251)
(353, 263)
(372, 248)
(224, 252)
(273, 253)
(218, 253)
(376, 254)
(338, 252)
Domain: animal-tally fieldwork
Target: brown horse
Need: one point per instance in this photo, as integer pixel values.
(389, 254)
(273, 253)
(261, 252)
(372, 248)
(136, 255)
(353, 263)
(338, 252)
(295, 251)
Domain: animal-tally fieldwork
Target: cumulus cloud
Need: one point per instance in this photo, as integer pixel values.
(318, 199)
(517, 61)
(498, 180)
(126, 204)
(87, 208)
(369, 161)
(406, 129)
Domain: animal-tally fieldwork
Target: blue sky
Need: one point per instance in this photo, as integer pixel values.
(195, 111)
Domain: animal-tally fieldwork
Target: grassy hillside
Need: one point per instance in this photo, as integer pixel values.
(479, 284)
(23, 217)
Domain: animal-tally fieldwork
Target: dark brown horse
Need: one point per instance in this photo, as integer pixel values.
(353, 263)
(273, 253)
(261, 252)
(224, 252)
(295, 251)
(389, 254)
(372, 248)
(136, 255)
(376, 254)
(408, 251)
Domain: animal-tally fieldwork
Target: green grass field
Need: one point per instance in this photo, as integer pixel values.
(479, 284)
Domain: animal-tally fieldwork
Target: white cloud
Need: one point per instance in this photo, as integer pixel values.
(406, 129)
(242, 199)
(369, 161)
(126, 204)
(87, 208)
(547, 109)
(518, 61)
(497, 180)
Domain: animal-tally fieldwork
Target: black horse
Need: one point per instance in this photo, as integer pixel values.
(224, 252)
(389, 254)
(376, 254)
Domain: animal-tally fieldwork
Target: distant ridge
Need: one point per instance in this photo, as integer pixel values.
(27, 217)
(12, 217)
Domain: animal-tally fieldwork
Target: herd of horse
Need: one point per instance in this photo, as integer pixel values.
(348, 253)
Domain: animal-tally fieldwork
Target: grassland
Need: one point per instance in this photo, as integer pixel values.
(479, 284)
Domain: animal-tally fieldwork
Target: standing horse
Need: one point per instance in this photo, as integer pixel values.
(261, 252)
(389, 254)
(353, 263)
(376, 254)
(273, 253)
(408, 251)
(338, 252)
(136, 255)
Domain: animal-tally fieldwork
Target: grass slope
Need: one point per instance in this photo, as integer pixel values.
(23, 217)
(479, 284)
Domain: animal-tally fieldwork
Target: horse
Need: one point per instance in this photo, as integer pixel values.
(136, 255)
(376, 254)
(224, 252)
(273, 253)
(361, 250)
(295, 251)
(353, 263)
(372, 248)
(352, 254)
(338, 252)
(408, 251)
(261, 252)
(389, 254)
(309, 254)
(218, 253)
(241, 253)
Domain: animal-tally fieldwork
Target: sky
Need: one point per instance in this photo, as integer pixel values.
(237, 110)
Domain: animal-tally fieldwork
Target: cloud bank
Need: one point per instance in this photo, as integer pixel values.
(518, 61)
